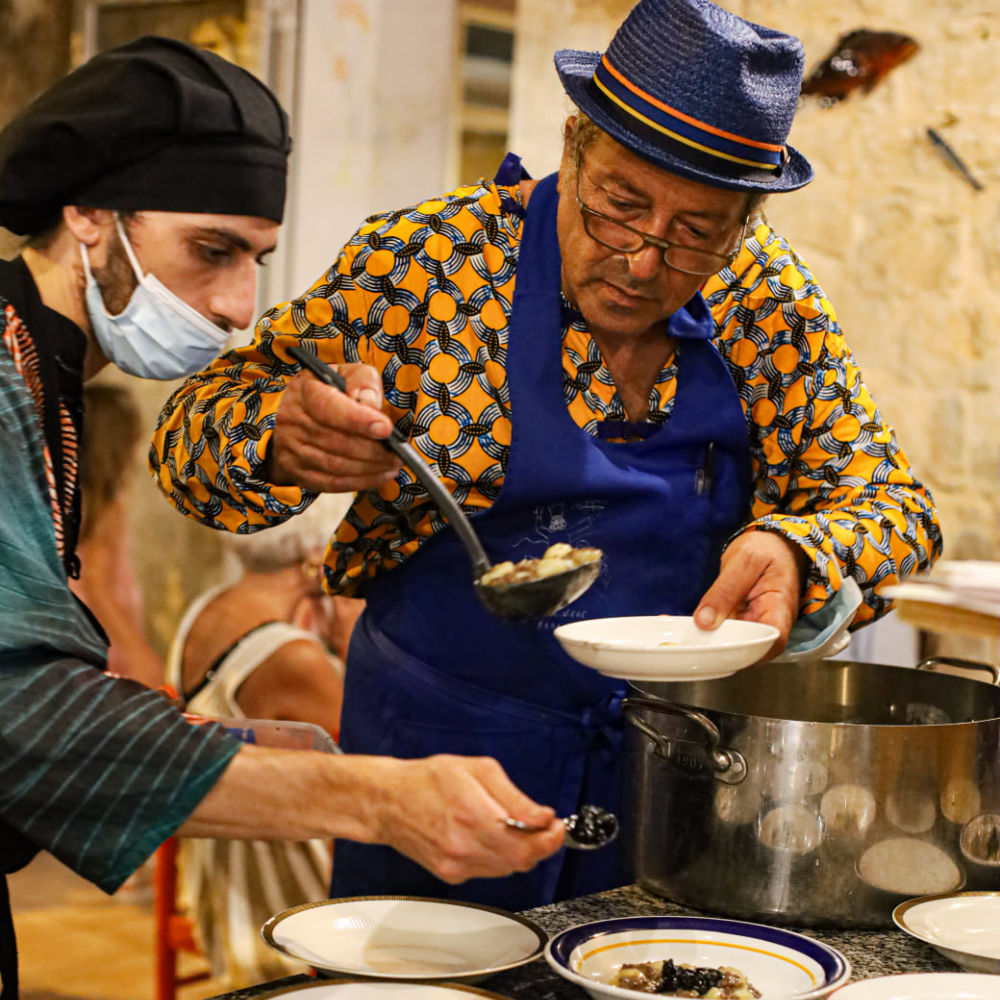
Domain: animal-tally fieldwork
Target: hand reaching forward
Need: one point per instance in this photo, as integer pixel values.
(760, 581)
(327, 441)
(446, 813)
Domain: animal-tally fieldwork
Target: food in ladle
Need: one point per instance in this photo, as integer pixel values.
(591, 825)
(668, 979)
(558, 558)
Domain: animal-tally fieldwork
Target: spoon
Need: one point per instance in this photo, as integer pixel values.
(587, 830)
(528, 599)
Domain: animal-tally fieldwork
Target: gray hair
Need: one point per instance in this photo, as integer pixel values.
(288, 543)
(586, 130)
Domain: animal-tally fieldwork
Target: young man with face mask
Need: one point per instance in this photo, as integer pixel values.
(151, 184)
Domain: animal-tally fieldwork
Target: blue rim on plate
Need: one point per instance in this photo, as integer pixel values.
(836, 968)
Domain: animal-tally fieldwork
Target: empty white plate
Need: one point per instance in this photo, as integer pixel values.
(665, 647)
(923, 986)
(405, 937)
(963, 926)
(346, 989)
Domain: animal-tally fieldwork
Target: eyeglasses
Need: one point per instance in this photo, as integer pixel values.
(618, 236)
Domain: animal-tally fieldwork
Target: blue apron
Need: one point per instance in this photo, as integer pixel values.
(430, 671)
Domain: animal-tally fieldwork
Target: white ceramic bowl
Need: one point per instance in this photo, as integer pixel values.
(665, 647)
(405, 938)
(923, 986)
(777, 962)
(352, 989)
(963, 926)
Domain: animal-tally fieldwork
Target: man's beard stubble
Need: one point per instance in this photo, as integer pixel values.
(116, 280)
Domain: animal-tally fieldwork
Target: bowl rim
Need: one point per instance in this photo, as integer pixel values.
(900, 911)
(981, 978)
(541, 939)
(835, 965)
(563, 634)
(320, 983)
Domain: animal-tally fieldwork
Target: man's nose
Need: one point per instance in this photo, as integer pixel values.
(645, 262)
(234, 301)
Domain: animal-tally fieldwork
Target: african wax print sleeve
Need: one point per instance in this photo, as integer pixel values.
(210, 445)
(95, 769)
(829, 472)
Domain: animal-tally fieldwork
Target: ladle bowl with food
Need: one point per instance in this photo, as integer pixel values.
(532, 588)
(537, 587)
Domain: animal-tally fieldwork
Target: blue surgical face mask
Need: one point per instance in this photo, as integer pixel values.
(157, 335)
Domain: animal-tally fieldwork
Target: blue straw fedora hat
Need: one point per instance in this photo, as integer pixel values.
(697, 91)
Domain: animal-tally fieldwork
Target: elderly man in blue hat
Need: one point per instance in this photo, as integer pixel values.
(620, 355)
(150, 184)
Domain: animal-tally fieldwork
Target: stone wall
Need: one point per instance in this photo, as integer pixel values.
(905, 248)
(35, 50)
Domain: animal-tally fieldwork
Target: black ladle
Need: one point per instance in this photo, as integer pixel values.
(528, 599)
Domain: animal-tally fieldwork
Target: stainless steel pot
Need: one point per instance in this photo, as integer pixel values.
(814, 794)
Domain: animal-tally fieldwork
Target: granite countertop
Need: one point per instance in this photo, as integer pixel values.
(870, 952)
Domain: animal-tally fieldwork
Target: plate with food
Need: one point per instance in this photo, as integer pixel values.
(404, 938)
(962, 926)
(695, 957)
(665, 647)
(923, 986)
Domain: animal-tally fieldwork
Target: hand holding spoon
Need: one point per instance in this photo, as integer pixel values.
(528, 599)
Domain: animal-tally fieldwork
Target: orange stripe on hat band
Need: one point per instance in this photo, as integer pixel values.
(704, 126)
(682, 138)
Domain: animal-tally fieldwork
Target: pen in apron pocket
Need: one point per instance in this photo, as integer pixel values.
(705, 476)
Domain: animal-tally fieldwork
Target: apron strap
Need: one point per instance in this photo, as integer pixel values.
(8, 945)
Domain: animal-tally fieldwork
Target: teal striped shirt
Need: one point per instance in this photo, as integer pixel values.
(94, 769)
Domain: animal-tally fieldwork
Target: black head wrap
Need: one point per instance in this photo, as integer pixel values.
(152, 125)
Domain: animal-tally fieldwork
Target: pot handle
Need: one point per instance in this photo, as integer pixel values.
(729, 765)
(958, 661)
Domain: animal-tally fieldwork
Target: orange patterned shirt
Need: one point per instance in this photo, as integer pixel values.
(424, 295)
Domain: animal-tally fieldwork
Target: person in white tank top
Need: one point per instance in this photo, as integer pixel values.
(269, 646)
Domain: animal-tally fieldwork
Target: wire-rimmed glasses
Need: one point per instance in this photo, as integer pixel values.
(625, 239)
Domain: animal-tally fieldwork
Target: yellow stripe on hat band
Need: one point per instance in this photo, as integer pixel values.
(681, 138)
(674, 113)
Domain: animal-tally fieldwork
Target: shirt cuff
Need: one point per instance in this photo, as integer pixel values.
(247, 474)
(825, 575)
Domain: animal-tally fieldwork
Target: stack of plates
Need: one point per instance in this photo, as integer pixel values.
(957, 596)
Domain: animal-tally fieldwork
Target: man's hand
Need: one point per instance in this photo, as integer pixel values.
(327, 441)
(447, 813)
(760, 581)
